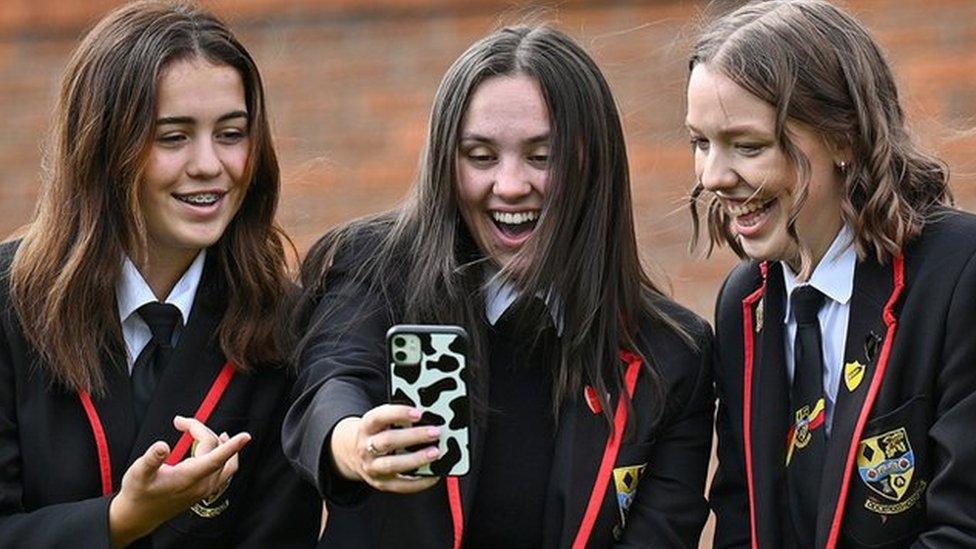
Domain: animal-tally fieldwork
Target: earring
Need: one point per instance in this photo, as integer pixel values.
(842, 165)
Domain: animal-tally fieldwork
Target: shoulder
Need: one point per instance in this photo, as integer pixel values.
(948, 232)
(677, 343)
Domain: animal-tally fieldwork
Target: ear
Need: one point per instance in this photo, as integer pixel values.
(842, 151)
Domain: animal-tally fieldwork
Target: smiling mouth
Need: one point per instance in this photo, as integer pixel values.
(206, 198)
(750, 212)
(515, 225)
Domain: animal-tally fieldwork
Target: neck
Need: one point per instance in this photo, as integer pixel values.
(818, 249)
(162, 270)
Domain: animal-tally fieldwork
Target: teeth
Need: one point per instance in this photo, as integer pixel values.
(515, 218)
(200, 198)
(747, 208)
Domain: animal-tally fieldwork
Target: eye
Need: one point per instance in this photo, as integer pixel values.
(231, 136)
(172, 139)
(750, 149)
(699, 144)
(480, 156)
(539, 159)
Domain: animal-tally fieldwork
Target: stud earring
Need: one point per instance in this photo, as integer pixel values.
(842, 165)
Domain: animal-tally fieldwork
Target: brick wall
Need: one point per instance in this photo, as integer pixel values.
(350, 84)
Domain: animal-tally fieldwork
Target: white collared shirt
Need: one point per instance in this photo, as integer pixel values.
(834, 276)
(500, 296)
(132, 291)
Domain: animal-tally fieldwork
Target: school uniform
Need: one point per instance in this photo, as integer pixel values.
(595, 490)
(55, 487)
(897, 468)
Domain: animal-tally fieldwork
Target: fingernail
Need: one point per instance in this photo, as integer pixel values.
(434, 432)
(415, 413)
(433, 452)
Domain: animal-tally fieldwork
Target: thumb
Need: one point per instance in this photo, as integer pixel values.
(154, 458)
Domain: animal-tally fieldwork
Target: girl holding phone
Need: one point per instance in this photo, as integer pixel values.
(591, 392)
(845, 343)
(139, 306)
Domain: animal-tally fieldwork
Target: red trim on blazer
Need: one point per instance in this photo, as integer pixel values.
(610, 453)
(898, 273)
(457, 513)
(101, 443)
(203, 412)
(182, 446)
(749, 351)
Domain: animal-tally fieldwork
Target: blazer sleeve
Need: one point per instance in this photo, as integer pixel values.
(729, 496)
(81, 523)
(342, 374)
(669, 509)
(283, 511)
(950, 507)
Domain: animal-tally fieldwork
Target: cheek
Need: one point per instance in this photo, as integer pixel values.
(162, 170)
(235, 161)
(471, 187)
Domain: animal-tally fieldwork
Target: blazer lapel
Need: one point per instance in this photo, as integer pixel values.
(115, 412)
(196, 361)
(769, 408)
(866, 330)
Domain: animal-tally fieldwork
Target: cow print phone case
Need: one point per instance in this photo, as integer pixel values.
(428, 371)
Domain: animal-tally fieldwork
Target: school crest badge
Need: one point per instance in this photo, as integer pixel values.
(211, 506)
(853, 375)
(625, 479)
(886, 463)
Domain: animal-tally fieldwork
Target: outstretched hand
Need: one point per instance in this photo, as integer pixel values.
(153, 492)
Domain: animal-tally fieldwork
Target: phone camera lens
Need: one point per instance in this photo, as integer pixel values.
(399, 342)
(400, 356)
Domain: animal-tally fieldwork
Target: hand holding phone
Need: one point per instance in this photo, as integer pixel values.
(428, 371)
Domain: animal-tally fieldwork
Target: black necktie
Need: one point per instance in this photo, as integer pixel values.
(807, 441)
(161, 319)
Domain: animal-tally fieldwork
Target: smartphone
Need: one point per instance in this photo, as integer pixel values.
(428, 370)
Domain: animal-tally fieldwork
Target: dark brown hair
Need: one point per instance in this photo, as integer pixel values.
(64, 273)
(816, 64)
(587, 219)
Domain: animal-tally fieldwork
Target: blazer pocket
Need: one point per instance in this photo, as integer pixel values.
(886, 502)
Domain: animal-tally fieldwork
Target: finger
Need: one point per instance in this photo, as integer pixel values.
(401, 485)
(230, 468)
(394, 464)
(383, 417)
(224, 437)
(391, 440)
(150, 462)
(204, 439)
(213, 461)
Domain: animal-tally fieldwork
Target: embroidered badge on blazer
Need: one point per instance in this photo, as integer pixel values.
(853, 375)
(886, 464)
(760, 313)
(211, 506)
(625, 479)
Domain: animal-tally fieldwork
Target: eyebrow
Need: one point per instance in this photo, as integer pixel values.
(483, 139)
(189, 119)
(733, 131)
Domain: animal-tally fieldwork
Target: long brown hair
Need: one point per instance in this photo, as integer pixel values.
(587, 220)
(816, 64)
(65, 269)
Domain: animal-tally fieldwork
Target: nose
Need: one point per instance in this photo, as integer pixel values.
(205, 162)
(512, 180)
(717, 173)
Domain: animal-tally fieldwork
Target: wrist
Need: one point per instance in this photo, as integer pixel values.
(342, 448)
(122, 524)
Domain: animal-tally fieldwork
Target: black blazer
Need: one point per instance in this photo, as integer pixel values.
(345, 374)
(905, 407)
(50, 489)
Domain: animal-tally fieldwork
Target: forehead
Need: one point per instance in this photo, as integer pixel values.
(716, 103)
(198, 86)
(507, 105)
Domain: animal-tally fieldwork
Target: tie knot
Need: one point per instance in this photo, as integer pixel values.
(161, 319)
(807, 301)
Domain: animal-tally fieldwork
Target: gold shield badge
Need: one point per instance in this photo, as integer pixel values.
(886, 463)
(625, 480)
(853, 375)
